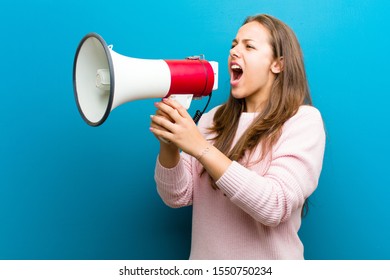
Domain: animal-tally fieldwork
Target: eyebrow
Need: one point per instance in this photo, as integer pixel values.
(244, 40)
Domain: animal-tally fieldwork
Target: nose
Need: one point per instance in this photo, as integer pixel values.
(234, 52)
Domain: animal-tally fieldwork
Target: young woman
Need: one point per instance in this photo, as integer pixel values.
(251, 163)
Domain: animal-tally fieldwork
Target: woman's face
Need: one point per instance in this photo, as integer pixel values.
(252, 66)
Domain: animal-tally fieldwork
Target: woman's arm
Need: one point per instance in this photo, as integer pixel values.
(292, 176)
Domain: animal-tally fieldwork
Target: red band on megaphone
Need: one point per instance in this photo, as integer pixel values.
(191, 77)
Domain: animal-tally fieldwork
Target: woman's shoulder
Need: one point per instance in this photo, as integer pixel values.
(308, 109)
(308, 119)
(307, 112)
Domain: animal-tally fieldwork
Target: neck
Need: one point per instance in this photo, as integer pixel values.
(257, 102)
(254, 107)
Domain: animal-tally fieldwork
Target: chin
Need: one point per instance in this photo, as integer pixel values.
(237, 93)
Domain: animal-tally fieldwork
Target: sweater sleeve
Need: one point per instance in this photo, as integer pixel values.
(174, 185)
(292, 175)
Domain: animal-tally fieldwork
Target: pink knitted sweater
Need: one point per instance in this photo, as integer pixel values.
(256, 213)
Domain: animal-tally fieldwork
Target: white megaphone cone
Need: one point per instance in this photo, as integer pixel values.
(104, 79)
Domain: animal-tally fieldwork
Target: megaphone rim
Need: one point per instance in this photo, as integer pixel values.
(112, 79)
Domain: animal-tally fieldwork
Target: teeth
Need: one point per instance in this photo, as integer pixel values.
(236, 67)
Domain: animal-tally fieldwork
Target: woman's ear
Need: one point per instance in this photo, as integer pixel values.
(278, 65)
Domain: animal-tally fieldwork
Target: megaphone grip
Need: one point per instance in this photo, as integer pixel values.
(191, 77)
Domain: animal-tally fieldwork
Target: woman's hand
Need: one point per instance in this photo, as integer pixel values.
(173, 123)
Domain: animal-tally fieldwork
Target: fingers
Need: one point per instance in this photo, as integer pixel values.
(162, 128)
(167, 111)
(170, 120)
(173, 109)
(163, 114)
(162, 123)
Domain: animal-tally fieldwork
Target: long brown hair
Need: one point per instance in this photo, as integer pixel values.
(289, 91)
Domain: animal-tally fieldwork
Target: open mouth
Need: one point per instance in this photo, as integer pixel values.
(236, 72)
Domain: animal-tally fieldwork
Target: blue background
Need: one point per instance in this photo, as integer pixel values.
(70, 191)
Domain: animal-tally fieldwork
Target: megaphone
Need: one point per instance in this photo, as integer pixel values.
(104, 79)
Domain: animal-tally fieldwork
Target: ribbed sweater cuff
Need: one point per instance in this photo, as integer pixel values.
(169, 176)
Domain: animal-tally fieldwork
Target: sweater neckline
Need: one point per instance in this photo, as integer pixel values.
(251, 115)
